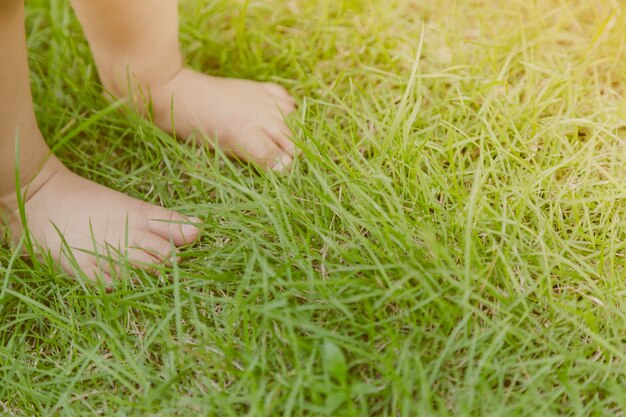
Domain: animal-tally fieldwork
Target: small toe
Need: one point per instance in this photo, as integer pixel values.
(141, 259)
(280, 133)
(170, 225)
(278, 90)
(282, 163)
(154, 245)
(94, 273)
(138, 258)
(264, 151)
(84, 263)
(286, 107)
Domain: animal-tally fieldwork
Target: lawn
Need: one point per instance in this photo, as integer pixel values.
(451, 242)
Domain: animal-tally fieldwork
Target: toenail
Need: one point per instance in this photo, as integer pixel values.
(190, 229)
(281, 163)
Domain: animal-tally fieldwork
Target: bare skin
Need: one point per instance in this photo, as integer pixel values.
(100, 226)
(95, 222)
(243, 118)
(135, 46)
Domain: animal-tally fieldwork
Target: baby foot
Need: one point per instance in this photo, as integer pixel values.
(245, 118)
(65, 211)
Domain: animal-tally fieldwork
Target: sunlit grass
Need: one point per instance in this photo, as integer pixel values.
(451, 241)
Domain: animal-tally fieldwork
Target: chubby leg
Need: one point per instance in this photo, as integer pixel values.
(135, 46)
(91, 218)
(17, 118)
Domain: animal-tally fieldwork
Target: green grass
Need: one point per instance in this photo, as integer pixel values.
(452, 241)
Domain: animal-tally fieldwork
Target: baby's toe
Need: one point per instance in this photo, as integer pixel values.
(285, 107)
(279, 91)
(139, 258)
(280, 133)
(154, 245)
(282, 163)
(93, 272)
(170, 225)
(265, 151)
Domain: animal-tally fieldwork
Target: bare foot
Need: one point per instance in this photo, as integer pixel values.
(245, 118)
(94, 219)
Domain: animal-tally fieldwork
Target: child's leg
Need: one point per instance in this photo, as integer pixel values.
(56, 197)
(16, 107)
(140, 38)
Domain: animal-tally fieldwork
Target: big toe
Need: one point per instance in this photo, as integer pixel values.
(171, 225)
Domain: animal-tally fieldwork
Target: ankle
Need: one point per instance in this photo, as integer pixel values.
(29, 185)
(135, 78)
